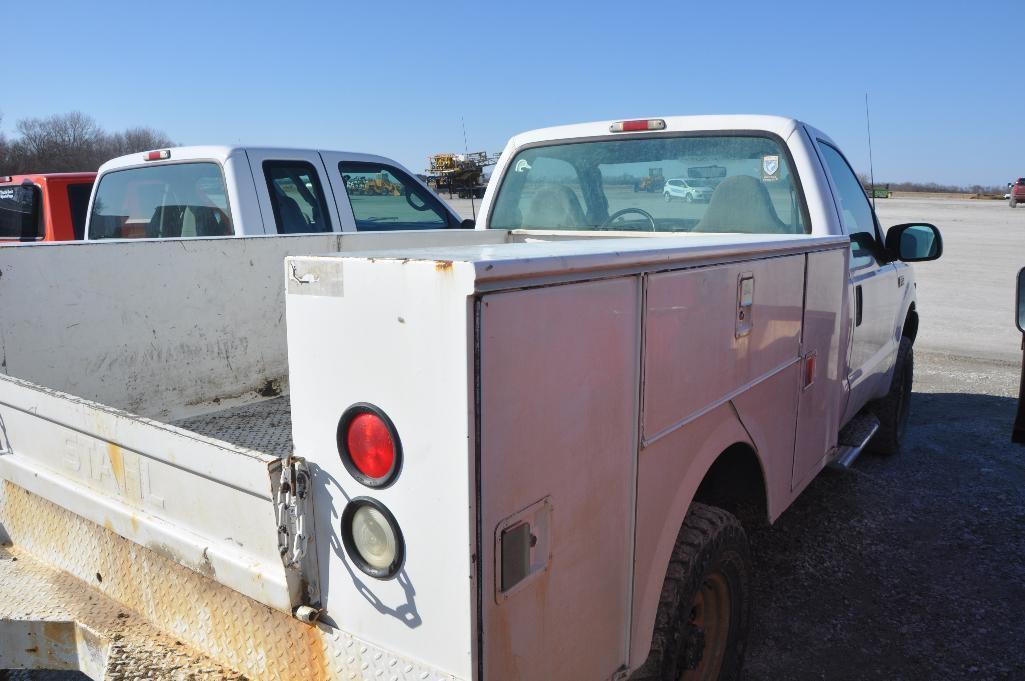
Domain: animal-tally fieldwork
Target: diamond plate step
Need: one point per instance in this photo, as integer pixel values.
(853, 438)
(70, 570)
(50, 620)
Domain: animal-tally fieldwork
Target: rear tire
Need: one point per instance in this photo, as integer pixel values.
(894, 410)
(1013, 203)
(703, 615)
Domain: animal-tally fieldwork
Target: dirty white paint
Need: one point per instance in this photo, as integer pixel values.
(201, 503)
(164, 329)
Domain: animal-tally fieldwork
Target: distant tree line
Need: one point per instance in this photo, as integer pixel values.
(70, 142)
(933, 187)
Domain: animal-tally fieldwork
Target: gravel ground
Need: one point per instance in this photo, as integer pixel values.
(907, 567)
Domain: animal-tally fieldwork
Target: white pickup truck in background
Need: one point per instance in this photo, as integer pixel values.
(518, 452)
(188, 192)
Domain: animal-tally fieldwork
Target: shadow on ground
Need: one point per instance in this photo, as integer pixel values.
(905, 567)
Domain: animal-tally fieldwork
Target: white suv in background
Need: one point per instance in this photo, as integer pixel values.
(689, 191)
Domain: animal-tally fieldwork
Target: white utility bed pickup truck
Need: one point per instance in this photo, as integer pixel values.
(519, 452)
(211, 191)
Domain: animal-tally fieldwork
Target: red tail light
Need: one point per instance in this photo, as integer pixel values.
(638, 126)
(369, 445)
(161, 155)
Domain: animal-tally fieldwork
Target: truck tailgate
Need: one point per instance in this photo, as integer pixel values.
(202, 503)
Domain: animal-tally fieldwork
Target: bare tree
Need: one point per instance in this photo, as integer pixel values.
(4, 149)
(70, 142)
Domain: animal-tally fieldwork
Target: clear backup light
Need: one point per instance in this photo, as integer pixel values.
(372, 539)
(369, 445)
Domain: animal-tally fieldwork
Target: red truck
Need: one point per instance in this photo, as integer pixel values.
(1016, 192)
(44, 207)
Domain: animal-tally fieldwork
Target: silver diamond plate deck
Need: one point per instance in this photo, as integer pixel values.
(264, 426)
(74, 570)
(57, 621)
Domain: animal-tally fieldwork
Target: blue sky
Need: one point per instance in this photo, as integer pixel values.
(944, 79)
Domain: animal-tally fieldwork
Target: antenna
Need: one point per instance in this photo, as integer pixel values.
(466, 150)
(871, 170)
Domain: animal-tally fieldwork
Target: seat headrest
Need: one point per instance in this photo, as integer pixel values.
(741, 204)
(554, 207)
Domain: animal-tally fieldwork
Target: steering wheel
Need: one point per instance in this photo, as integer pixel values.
(409, 199)
(619, 213)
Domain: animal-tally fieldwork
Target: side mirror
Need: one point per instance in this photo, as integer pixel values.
(467, 224)
(1019, 301)
(914, 242)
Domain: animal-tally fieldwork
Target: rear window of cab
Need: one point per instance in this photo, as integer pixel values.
(729, 182)
(20, 212)
(167, 201)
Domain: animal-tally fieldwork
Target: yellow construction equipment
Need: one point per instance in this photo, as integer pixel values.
(653, 182)
(459, 173)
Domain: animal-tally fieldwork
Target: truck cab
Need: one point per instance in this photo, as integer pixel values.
(194, 192)
(44, 207)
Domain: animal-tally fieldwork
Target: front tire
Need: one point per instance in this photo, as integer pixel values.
(704, 612)
(894, 410)
(667, 197)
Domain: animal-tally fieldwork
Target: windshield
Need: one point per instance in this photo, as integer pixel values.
(734, 183)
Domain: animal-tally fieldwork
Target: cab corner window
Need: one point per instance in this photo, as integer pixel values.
(169, 201)
(384, 198)
(20, 216)
(296, 197)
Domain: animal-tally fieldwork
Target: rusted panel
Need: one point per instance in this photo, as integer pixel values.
(84, 573)
(559, 372)
(206, 505)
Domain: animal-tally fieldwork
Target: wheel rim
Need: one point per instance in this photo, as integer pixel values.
(710, 613)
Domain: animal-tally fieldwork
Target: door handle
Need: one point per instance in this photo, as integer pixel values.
(858, 303)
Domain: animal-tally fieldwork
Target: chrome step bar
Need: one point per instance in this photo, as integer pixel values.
(853, 438)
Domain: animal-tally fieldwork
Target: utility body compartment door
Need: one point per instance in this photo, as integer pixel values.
(824, 339)
(559, 370)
